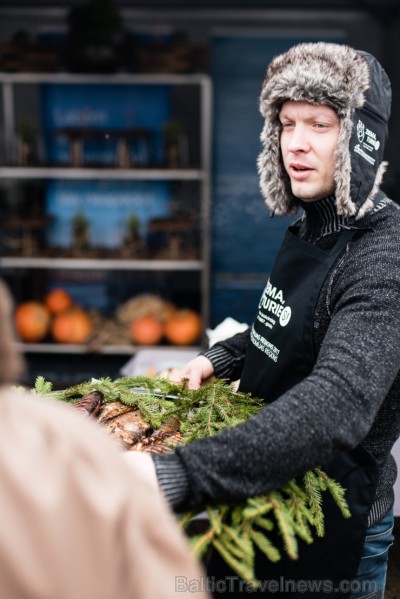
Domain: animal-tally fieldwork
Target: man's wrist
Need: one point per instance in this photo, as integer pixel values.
(173, 480)
(220, 359)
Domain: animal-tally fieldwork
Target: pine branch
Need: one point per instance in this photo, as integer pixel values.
(337, 492)
(215, 520)
(236, 536)
(42, 387)
(257, 508)
(233, 549)
(315, 500)
(265, 545)
(264, 523)
(186, 519)
(200, 543)
(302, 529)
(239, 566)
(285, 525)
(235, 531)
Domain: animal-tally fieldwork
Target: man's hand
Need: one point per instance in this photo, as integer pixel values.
(197, 371)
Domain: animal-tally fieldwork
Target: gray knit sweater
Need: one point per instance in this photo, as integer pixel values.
(352, 395)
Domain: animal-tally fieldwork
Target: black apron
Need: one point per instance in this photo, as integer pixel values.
(280, 356)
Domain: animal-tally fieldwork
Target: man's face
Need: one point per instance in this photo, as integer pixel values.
(309, 139)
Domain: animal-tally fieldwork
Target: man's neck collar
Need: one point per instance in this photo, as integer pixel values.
(320, 218)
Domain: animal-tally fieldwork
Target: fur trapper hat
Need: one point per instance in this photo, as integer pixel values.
(356, 86)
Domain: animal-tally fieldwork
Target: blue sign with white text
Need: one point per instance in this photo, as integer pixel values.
(87, 111)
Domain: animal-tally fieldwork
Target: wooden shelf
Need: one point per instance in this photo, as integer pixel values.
(100, 264)
(64, 348)
(197, 174)
(108, 79)
(87, 173)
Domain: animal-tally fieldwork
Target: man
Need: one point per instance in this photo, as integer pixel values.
(324, 349)
(77, 523)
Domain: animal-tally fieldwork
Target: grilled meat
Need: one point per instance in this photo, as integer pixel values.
(128, 428)
(112, 409)
(91, 403)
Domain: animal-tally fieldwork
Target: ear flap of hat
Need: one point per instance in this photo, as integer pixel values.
(368, 138)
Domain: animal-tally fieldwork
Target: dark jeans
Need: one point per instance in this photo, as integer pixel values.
(371, 575)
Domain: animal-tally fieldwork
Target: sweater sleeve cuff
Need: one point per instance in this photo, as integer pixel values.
(221, 361)
(173, 480)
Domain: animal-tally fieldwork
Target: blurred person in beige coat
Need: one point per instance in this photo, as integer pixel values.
(76, 521)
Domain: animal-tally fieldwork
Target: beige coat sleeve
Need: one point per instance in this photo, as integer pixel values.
(75, 523)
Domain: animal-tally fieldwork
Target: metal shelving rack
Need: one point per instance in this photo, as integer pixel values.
(8, 82)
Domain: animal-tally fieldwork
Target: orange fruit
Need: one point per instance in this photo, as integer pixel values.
(58, 300)
(183, 327)
(146, 330)
(72, 326)
(32, 321)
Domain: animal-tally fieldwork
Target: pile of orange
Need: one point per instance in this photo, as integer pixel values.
(57, 315)
(182, 327)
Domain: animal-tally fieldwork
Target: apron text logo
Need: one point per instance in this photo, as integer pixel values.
(272, 301)
(264, 345)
